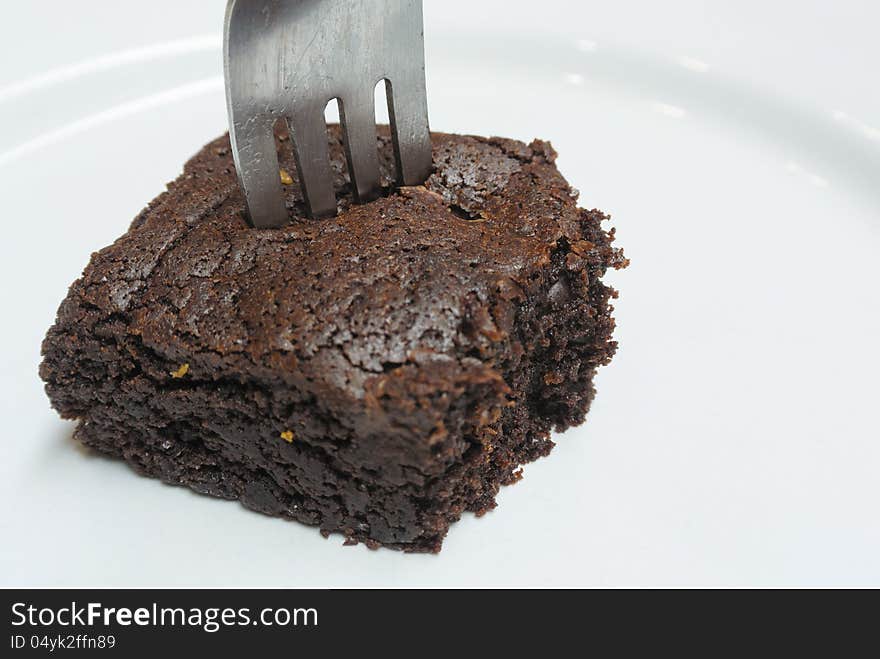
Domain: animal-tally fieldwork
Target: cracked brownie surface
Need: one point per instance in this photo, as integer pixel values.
(375, 374)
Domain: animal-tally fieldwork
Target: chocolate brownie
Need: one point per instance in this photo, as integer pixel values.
(374, 374)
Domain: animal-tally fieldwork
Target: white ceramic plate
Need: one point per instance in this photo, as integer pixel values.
(734, 440)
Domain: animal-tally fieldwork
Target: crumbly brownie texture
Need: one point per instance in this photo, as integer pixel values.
(374, 374)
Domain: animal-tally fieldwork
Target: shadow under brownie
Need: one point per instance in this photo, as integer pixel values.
(374, 374)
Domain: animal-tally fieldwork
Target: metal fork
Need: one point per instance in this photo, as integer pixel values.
(287, 59)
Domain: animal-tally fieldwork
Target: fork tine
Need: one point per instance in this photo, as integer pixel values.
(357, 114)
(256, 162)
(313, 160)
(411, 137)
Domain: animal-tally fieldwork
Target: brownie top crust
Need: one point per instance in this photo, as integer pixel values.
(427, 274)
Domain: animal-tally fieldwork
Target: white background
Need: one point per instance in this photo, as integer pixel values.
(734, 440)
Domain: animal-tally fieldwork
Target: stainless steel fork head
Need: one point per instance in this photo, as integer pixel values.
(287, 59)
